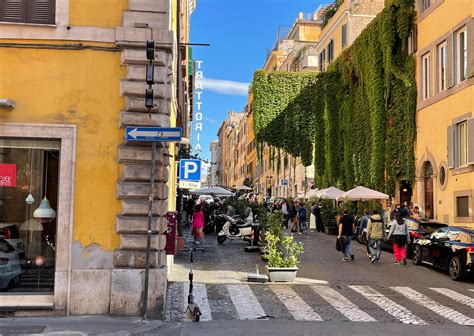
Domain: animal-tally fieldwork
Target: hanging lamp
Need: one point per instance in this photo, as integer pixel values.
(44, 211)
(30, 199)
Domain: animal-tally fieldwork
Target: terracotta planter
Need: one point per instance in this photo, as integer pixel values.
(282, 274)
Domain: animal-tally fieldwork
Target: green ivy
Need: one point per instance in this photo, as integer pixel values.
(356, 121)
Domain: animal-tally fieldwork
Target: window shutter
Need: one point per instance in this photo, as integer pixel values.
(449, 62)
(470, 141)
(13, 10)
(42, 11)
(450, 146)
(470, 48)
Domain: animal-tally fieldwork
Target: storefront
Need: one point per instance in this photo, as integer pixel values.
(36, 186)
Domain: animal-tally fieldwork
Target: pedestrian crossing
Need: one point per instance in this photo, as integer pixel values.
(354, 303)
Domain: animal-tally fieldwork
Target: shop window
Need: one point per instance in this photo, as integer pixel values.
(28, 204)
(425, 76)
(442, 67)
(462, 206)
(28, 11)
(461, 55)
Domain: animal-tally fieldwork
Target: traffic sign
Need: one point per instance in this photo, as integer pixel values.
(153, 133)
(190, 170)
(284, 182)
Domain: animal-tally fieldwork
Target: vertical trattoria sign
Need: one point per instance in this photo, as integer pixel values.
(198, 115)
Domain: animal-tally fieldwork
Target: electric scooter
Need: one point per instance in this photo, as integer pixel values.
(193, 307)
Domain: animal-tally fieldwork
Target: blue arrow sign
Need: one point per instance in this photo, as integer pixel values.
(153, 134)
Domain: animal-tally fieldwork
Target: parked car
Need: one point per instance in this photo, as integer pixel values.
(10, 269)
(449, 248)
(418, 228)
(10, 233)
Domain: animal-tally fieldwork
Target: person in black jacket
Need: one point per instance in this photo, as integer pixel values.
(319, 220)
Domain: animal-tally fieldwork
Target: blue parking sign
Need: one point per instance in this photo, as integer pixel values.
(190, 170)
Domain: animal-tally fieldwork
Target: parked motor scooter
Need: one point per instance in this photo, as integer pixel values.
(215, 223)
(235, 228)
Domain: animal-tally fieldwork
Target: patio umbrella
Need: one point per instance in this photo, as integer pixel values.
(212, 190)
(242, 187)
(311, 193)
(329, 193)
(362, 194)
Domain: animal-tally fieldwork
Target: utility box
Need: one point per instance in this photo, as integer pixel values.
(172, 217)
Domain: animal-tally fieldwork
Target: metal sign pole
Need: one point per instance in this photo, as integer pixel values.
(148, 237)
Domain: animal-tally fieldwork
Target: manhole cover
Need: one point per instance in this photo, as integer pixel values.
(14, 330)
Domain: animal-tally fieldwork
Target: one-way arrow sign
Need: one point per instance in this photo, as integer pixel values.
(153, 133)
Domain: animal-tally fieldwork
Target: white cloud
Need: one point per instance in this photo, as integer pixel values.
(225, 86)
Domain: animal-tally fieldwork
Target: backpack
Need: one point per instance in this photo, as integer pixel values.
(302, 212)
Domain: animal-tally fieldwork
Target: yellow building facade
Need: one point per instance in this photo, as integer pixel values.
(444, 152)
(72, 77)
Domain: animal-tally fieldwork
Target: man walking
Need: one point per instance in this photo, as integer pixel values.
(363, 230)
(346, 232)
(319, 220)
(375, 228)
(302, 218)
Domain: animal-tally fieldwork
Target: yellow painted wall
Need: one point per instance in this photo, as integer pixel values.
(91, 12)
(433, 120)
(58, 86)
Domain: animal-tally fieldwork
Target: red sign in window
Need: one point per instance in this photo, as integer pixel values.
(7, 175)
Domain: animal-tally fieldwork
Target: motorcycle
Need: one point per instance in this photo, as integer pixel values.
(235, 228)
(215, 223)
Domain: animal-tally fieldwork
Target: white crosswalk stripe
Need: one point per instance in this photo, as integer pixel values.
(472, 290)
(434, 306)
(391, 307)
(461, 298)
(200, 298)
(343, 305)
(245, 302)
(300, 310)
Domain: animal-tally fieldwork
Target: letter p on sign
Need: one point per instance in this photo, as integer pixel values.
(190, 170)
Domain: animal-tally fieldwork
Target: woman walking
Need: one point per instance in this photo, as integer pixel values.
(198, 224)
(399, 231)
(375, 232)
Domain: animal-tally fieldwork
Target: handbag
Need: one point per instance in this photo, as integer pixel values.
(340, 245)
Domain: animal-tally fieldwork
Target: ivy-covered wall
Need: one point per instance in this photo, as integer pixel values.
(356, 121)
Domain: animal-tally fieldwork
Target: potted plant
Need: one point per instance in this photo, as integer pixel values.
(281, 253)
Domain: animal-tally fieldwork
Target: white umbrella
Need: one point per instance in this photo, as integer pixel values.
(329, 193)
(362, 194)
(311, 193)
(242, 187)
(212, 190)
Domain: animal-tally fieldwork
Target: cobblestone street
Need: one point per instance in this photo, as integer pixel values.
(326, 289)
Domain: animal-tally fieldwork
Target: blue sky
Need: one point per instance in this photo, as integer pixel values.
(240, 33)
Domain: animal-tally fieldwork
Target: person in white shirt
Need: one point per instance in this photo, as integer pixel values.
(286, 214)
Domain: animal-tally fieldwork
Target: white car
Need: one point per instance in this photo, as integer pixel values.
(10, 269)
(10, 233)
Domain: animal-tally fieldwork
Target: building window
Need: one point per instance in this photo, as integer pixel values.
(462, 206)
(322, 60)
(442, 67)
(344, 36)
(425, 4)
(425, 76)
(28, 11)
(461, 132)
(412, 42)
(461, 55)
(330, 49)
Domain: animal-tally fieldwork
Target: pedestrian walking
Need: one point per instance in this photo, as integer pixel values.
(198, 224)
(294, 217)
(286, 214)
(375, 228)
(319, 218)
(416, 212)
(302, 218)
(312, 218)
(363, 221)
(346, 233)
(400, 234)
